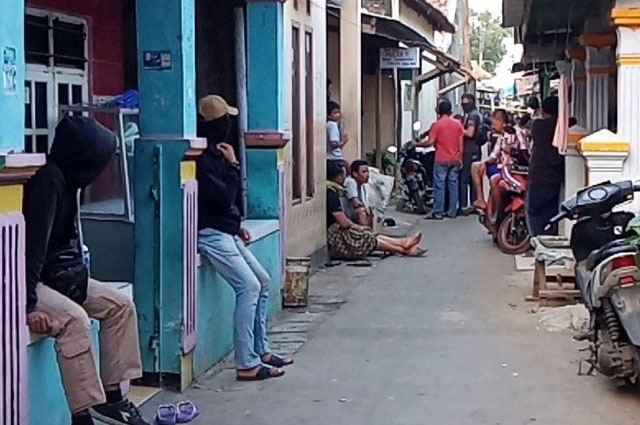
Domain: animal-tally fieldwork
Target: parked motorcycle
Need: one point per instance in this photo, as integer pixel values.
(505, 220)
(416, 173)
(607, 275)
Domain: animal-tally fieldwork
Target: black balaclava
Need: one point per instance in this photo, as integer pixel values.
(216, 131)
(469, 106)
(82, 148)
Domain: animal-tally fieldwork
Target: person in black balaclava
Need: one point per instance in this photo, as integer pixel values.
(222, 240)
(472, 122)
(60, 294)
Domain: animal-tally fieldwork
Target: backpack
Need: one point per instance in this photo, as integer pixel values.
(482, 132)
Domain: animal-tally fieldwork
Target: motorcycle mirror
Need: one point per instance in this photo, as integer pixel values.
(392, 149)
(417, 126)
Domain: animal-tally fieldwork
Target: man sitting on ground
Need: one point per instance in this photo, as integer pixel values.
(356, 194)
(507, 143)
(60, 294)
(350, 241)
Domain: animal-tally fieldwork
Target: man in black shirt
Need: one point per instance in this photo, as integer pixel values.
(546, 171)
(472, 122)
(222, 240)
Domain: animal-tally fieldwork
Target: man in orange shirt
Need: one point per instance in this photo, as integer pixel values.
(446, 135)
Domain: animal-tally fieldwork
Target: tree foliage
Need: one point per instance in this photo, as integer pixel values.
(487, 40)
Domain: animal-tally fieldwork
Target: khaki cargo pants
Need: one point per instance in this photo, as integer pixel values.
(119, 349)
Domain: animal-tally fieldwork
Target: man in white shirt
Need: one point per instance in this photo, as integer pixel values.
(335, 140)
(356, 196)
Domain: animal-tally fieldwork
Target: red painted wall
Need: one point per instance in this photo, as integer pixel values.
(105, 26)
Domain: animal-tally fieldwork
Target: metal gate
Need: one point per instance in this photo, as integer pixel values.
(13, 329)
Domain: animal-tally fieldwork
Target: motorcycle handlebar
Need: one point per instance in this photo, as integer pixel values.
(556, 218)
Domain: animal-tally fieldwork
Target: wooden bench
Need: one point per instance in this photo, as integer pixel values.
(554, 285)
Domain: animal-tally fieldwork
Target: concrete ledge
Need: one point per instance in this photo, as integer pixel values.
(261, 228)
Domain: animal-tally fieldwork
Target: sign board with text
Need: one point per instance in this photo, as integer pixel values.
(396, 58)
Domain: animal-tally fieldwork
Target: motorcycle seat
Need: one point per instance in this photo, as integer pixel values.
(520, 169)
(614, 247)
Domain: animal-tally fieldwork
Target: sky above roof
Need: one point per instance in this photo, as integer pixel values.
(493, 6)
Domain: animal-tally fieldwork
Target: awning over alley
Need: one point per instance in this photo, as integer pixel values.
(444, 64)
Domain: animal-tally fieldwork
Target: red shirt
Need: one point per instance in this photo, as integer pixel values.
(446, 134)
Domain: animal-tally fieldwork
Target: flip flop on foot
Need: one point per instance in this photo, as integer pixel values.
(417, 252)
(263, 373)
(480, 206)
(277, 361)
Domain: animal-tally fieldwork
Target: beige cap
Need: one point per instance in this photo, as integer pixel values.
(213, 107)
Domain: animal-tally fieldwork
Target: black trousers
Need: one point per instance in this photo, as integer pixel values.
(467, 194)
(543, 201)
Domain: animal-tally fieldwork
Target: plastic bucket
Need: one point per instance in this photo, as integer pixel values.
(296, 285)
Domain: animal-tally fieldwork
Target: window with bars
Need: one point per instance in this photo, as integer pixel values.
(56, 74)
(55, 42)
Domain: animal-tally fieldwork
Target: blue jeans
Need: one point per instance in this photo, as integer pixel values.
(445, 172)
(250, 281)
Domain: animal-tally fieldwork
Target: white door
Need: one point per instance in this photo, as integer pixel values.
(39, 114)
(69, 89)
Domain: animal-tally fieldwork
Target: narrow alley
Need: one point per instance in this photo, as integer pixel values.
(445, 339)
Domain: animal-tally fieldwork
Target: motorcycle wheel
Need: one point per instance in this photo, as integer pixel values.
(513, 235)
(418, 202)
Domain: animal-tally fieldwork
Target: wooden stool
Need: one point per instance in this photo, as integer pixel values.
(546, 249)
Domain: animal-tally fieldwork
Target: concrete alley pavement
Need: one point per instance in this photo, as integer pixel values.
(445, 339)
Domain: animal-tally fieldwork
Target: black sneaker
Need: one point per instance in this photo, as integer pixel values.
(120, 413)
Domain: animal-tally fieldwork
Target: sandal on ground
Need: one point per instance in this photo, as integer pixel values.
(166, 414)
(264, 373)
(187, 412)
(277, 361)
(417, 252)
(434, 217)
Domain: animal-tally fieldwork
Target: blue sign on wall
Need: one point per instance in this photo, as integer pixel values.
(158, 60)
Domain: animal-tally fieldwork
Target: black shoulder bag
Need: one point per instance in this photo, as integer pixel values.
(65, 270)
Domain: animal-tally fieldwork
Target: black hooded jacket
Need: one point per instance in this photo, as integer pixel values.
(81, 150)
(219, 182)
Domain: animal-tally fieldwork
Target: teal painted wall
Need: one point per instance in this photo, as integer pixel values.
(47, 400)
(265, 95)
(265, 65)
(167, 96)
(216, 304)
(262, 184)
(12, 102)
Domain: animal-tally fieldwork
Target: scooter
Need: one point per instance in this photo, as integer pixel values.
(505, 220)
(607, 276)
(416, 180)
